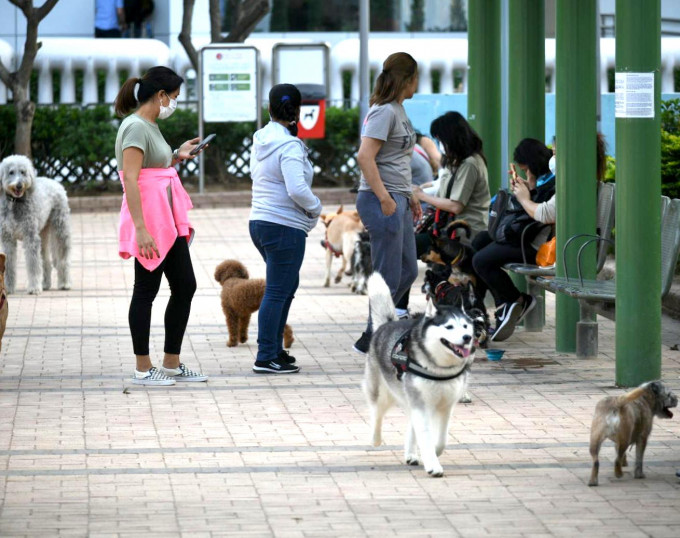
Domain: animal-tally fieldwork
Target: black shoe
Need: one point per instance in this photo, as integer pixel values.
(506, 318)
(274, 367)
(364, 342)
(284, 356)
(528, 304)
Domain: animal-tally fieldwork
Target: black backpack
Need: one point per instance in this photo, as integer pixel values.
(508, 219)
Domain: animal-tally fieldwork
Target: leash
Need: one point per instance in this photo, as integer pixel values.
(403, 363)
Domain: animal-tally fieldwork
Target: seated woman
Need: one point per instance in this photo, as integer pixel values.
(464, 188)
(536, 195)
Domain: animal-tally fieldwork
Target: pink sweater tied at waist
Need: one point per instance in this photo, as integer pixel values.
(165, 220)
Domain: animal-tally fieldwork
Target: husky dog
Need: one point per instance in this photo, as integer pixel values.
(426, 377)
(34, 210)
(445, 289)
(362, 267)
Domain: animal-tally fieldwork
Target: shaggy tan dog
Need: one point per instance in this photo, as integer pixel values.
(241, 296)
(342, 233)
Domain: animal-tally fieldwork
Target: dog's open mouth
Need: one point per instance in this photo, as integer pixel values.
(17, 193)
(460, 351)
(667, 412)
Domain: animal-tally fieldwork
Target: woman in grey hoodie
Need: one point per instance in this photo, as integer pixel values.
(284, 210)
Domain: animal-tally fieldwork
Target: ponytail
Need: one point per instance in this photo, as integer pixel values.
(126, 101)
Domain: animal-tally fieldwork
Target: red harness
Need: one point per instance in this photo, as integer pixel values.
(327, 244)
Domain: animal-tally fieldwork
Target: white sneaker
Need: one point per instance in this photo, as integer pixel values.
(154, 377)
(182, 373)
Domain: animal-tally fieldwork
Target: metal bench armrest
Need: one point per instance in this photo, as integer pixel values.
(580, 252)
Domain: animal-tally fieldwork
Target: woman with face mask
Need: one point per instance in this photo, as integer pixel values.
(154, 226)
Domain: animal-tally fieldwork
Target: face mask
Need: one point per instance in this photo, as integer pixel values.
(551, 164)
(442, 150)
(166, 111)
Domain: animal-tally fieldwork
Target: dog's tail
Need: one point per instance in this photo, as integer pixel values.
(458, 224)
(630, 396)
(380, 301)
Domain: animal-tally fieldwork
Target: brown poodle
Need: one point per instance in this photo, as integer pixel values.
(241, 296)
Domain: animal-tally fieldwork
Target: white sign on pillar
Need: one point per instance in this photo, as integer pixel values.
(634, 95)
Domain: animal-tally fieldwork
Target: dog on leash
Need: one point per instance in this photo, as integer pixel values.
(241, 296)
(362, 266)
(421, 363)
(342, 233)
(627, 420)
(34, 210)
(4, 307)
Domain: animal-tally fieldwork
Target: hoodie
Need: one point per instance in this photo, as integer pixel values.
(282, 176)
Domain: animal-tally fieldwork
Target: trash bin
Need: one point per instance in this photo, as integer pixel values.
(312, 111)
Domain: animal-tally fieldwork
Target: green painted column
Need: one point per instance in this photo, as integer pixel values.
(484, 74)
(526, 76)
(576, 135)
(526, 79)
(638, 194)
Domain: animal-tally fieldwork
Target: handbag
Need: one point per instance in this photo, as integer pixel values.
(546, 255)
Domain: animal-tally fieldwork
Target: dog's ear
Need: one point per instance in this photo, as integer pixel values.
(339, 210)
(3, 258)
(430, 309)
(656, 387)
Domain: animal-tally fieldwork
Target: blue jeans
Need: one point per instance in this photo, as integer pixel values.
(283, 249)
(393, 243)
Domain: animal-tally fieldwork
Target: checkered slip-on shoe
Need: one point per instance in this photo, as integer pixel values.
(154, 377)
(183, 374)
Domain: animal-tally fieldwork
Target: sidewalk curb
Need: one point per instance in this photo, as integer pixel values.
(93, 204)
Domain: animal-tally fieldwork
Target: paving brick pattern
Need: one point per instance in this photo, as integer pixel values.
(84, 453)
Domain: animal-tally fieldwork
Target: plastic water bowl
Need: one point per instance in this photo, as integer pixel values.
(494, 354)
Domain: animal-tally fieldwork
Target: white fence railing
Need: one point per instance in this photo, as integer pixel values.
(447, 57)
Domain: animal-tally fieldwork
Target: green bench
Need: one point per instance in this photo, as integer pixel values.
(599, 296)
(534, 320)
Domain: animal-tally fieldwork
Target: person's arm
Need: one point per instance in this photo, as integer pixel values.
(452, 206)
(368, 150)
(120, 11)
(432, 151)
(293, 171)
(184, 151)
(132, 164)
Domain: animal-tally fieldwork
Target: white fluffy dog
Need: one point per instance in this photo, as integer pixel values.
(34, 210)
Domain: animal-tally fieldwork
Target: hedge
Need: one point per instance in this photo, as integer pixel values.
(79, 144)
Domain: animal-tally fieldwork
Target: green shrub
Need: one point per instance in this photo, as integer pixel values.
(77, 144)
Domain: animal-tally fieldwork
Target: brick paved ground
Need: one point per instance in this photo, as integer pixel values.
(248, 455)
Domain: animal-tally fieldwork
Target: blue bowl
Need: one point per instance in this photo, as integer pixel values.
(494, 354)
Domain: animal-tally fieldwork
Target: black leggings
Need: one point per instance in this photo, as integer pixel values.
(180, 274)
(488, 262)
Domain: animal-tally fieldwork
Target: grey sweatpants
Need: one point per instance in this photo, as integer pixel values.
(393, 244)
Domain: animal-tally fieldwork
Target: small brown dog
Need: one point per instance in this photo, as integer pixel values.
(627, 420)
(342, 233)
(4, 308)
(241, 296)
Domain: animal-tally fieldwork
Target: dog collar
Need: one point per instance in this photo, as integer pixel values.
(403, 363)
(13, 199)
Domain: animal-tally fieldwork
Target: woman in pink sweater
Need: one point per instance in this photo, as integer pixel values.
(154, 226)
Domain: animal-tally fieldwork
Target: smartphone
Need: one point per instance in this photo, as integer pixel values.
(203, 144)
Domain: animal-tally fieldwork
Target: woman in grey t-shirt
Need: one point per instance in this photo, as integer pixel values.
(384, 201)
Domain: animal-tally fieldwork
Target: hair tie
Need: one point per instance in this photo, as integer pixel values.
(293, 122)
(136, 91)
(285, 98)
